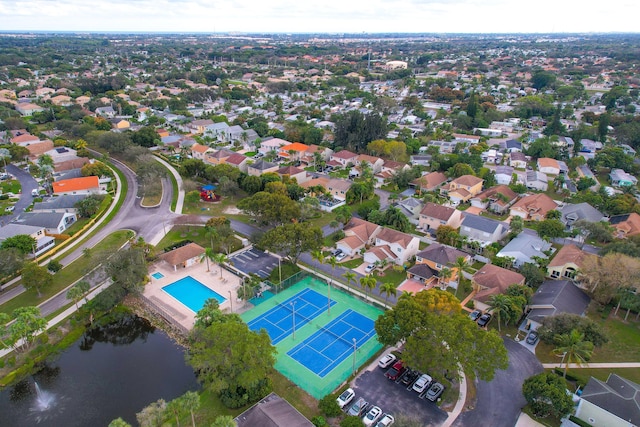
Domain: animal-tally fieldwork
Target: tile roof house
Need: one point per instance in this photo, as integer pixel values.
(580, 211)
(497, 199)
(432, 216)
(393, 245)
(272, 411)
(83, 185)
(375, 162)
(533, 207)
(431, 260)
(272, 145)
(463, 188)
(24, 139)
(38, 148)
(483, 230)
(218, 157)
(198, 151)
(611, 403)
(344, 157)
(524, 247)
(184, 256)
(548, 166)
(626, 225)
(555, 297)
(492, 280)
(292, 172)
(27, 109)
(238, 161)
(358, 233)
(566, 263)
(429, 182)
(294, 151)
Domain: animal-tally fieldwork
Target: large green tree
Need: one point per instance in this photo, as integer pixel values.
(22, 242)
(28, 323)
(270, 208)
(293, 239)
(438, 336)
(547, 395)
(36, 277)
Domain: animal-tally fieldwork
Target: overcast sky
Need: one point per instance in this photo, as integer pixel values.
(333, 16)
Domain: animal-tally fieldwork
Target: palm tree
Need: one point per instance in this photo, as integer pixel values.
(503, 307)
(351, 277)
(74, 294)
(388, 289)
(223, 421)
(191, 401)
(176, 407)
(573, 347)
(443, 277)
(333, 262)
(207, 255)
(367, 283)
(220, 259)
(460, 264)
(317, 255)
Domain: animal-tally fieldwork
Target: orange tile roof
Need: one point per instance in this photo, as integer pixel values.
(569, 253)
(296, 146)
(468, 180)
(76, 184)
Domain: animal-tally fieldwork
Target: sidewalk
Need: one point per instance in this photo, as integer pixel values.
(593, 365)
(462, 398)
(178, 178)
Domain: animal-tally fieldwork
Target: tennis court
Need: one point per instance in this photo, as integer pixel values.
(279, 321)
(327, 348)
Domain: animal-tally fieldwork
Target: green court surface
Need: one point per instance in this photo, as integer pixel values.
(305, 378)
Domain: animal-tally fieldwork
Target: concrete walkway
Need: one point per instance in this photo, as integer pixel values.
(462, 398)
(178, 178)
(525, 420)
(593, 365)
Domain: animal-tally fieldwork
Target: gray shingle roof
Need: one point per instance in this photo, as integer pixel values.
(41, 219)
(441, 254)
(555, 297)
(481, 223)
(60, 202)
(617, 395)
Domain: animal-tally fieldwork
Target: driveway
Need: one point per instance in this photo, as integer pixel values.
(396, 399)
(28, 184)
(499, 401)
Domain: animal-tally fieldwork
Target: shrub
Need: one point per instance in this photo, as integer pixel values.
(328, 406)
(319, 421)
(54, 266)
(351, 421)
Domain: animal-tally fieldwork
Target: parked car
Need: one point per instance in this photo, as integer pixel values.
(369, 268)
(9, 208)
(409, 377)
(395, 371)
(386, 361)
(358, 408)
(341, 256)
(422, 383)
(532, 338)
(336, 252)
(475, 314)
(346, 397)
(386, 421)
(434, 392)
(484, 320)
(372, 416)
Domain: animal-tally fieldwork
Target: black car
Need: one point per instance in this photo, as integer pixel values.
(409, 377)
(484, 320)
(532, 338)
(475, 314)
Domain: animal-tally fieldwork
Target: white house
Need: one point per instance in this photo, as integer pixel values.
(392, 245)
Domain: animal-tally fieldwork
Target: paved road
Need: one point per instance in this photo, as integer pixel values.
(28, 184)
(499, 401)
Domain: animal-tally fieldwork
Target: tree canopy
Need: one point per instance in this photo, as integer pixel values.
(546, 394)
(293, 239)
(270, 208)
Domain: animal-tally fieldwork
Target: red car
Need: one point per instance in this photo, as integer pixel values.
(395, 371)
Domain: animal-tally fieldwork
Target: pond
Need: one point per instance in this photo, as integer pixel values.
(112, 371)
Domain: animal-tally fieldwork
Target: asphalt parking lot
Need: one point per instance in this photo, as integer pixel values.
(395, 399)
(255, 261)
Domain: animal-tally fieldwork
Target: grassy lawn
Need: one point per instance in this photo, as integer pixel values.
(196, 234)
(152, 200)
(213, 208)
(11, 186)
(342, 173)
(354, 263)
(390, 276)
(287, 270)
(70, 273)
(77, 226)
(583, 374)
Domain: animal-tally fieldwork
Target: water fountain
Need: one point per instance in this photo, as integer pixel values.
(44, 399)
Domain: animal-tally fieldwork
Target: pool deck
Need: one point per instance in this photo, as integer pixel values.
(229, 282)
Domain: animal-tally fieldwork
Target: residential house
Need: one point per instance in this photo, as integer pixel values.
(292, 172)
(338, 187)
(184, 256)
(483, 230)
(24, 139)
(358, 233)
(308, 156)
(238, 161)
(198, 151)
(344, 158)
(431, 260)
(565, 142)
(66, 203)
(469, 139)
(580, 211)
(106, 112)
(432, 216)
(200, 126)
(52, 222)
(429, 182)
(535, 180)
(38, 148)
(411, 207)
(27, 109)
(567, 262)
(492, 280)
(43, 242)
(548, 166)
(389, 169)
(533, 207)
(217, 131)
(555, 297)
(498, 199)
(511, 145)
(84, 185)
(588, 148)
(620, 178)
(392, 245)
(272, 145)
(463, 188)
(293, 152)
(504, 174)
(63, 100)
(376, 163)
(260, 167)
(272, 411)
(626, 225)
(584, 172)
(524, 248)
(218, 157)
(420, 159)
(517, 160)
(611, 403)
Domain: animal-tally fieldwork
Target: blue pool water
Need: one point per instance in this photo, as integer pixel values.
(157, 275)
(192, 293)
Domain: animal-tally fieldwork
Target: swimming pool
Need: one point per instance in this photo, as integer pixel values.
(192, 293)
(157, 275)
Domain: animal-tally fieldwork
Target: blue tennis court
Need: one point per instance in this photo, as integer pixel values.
(327, 348)
(278, 322)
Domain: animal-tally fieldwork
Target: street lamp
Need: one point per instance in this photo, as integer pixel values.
(354, 355)
(329, 299)
(293, 317)
(231, 300)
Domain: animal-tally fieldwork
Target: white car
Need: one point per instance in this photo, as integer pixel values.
(372, 416)
(346, 397)
(341, 256)
(386, 421)
(387, 361)
(369, 268)
(422, 383)
(9, 208)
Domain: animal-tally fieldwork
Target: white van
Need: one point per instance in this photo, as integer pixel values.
(35, 192)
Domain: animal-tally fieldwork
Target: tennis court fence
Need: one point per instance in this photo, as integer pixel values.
(288, 282)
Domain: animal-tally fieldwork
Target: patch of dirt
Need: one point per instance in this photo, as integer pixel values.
(232, 210)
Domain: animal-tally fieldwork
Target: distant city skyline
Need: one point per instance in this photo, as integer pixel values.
(330, 16)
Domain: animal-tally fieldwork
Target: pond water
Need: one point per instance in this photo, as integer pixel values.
(111, 371)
